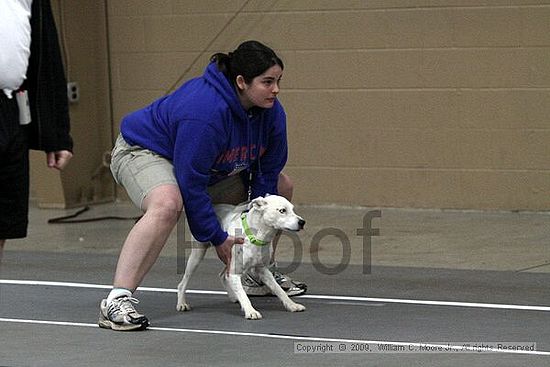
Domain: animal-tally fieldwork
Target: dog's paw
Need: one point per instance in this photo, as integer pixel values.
(295, 307)
(252, 315)
(183, 307)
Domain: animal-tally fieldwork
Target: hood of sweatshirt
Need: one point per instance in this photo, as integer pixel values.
(226, 89)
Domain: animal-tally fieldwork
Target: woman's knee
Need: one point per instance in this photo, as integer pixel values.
(165, 201)
(285, 186)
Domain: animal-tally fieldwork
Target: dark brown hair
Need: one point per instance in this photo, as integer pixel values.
(250, 59)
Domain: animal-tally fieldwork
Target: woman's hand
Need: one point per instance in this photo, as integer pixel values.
(224, 250)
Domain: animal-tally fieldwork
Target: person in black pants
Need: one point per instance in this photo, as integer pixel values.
(34, 112)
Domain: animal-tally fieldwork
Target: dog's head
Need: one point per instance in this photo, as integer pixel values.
(278, 213)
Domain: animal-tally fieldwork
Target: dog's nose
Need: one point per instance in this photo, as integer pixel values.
(301, 223)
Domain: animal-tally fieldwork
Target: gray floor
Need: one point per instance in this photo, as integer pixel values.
(437, 278)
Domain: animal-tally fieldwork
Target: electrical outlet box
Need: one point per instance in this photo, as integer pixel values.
(73, 92)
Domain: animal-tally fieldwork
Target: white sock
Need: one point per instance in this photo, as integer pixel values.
(118, 292)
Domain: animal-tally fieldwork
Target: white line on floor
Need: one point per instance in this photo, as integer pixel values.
(307, 296)
(445, 348)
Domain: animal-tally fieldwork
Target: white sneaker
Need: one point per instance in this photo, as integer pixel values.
(255, 287)
(121, 315)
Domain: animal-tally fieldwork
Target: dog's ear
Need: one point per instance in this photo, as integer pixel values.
(258, 203)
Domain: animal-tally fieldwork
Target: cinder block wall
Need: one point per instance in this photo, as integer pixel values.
(82, 32)
(390, 103)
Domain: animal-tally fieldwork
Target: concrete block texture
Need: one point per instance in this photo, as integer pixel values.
(390, 103)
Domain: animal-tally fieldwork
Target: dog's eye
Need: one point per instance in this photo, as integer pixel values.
(282, 211)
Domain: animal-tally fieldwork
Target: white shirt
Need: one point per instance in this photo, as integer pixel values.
(15, 43)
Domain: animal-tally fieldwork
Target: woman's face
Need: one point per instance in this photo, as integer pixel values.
(262, 91)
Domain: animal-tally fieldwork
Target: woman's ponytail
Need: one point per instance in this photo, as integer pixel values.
(223, 61)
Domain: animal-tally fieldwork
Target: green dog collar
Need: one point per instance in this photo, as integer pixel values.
(249, 233)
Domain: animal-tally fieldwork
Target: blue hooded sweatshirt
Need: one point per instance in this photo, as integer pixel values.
(208, 135)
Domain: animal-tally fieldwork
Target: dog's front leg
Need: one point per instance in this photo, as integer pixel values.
(234, 282)
(231, 281)
(268, 279)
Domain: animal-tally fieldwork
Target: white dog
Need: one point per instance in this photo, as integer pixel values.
(258, 223)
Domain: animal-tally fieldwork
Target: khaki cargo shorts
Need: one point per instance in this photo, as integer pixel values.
(140, 170)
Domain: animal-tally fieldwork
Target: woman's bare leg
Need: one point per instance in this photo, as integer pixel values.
(162, 207)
